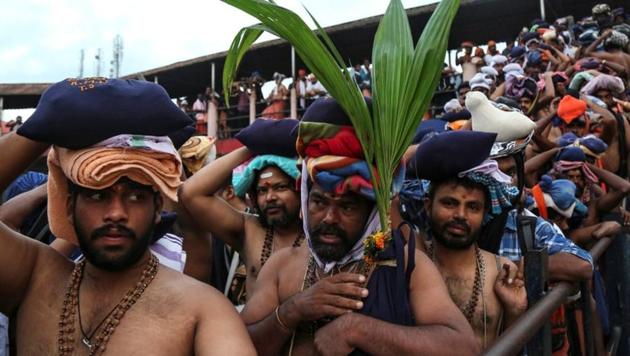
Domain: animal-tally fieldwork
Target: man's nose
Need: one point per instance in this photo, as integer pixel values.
(332, 215)
(116, 210)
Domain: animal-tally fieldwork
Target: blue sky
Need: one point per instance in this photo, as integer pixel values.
(41, 40)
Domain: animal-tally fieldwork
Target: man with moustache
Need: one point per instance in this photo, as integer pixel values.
(269, 182)
(327, 297)
(487, 288)
(106, 190)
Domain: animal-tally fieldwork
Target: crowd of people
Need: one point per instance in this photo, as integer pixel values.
(138, 239)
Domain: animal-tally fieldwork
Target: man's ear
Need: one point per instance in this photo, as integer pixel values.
(70, 208)
(159, 204)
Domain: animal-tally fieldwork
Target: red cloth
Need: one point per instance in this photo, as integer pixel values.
(345, 143)
(571, 108)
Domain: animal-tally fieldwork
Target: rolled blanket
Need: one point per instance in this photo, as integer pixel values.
(196, 152)
(242, 180)
(148, 160)
(604, 82)
(339, 175)
(564, 166)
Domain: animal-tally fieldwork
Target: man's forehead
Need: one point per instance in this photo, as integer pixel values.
(272, 174)
(456, 190)
(317, 190)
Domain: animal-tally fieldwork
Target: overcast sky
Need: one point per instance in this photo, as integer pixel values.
(41, 40)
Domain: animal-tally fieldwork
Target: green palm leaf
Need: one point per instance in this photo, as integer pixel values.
(404, 77)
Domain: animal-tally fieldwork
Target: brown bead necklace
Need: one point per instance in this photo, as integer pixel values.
(71, 306)
(268, 244)
(480, 272)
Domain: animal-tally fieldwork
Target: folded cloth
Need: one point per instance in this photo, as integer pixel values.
(571, 153)
(512, 70)
(197, 152)
(269, 136)
(148, 160)
(592, 145)
(427, 127)
(338, 175)
(560, 167)
(499, 186)
(516, 53)
(518, 87)
(558, 195)
(479, 80)
(604, 82)
(452, 105)
(343, 143)
(242, 182)
(99, 108)
(456, 116)
(327, 110)
(571, 108)
(498, 59)
(509, 125)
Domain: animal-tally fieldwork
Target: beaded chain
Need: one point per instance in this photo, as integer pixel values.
(480, 272)
(66, 341)
(268, 244)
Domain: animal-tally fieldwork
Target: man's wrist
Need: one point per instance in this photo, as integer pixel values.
(354, 328)
(288, 315)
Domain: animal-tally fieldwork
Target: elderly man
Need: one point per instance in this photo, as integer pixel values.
(332, 297)
(111, 183)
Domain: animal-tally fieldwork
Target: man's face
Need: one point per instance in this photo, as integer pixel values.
(277, 200)
(467, 50)
(577, 177)
(561, 89)
(507, 165)
(605, 96)
(336, 222)
(456, 214)
(115, 225)
(462, 95)
(482, 90)
(499, 67)
(525, 103)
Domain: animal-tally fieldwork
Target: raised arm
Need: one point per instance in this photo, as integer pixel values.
(620, 188)
(534, 164)
(18, 254)
(15, 210)
(212, 213)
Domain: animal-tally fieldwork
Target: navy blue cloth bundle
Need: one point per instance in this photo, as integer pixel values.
(78, 113)
(447, 154)
(268, 136)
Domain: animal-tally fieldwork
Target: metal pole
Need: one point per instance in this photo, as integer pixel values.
(585, 296)
(212, 75)
(252, 105)
(155, 80)
(542, 10)
(536, 262)
(1, 107)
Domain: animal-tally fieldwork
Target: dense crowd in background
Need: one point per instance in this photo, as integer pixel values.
(539, 130)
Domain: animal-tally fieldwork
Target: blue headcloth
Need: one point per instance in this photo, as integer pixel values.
(242, 182)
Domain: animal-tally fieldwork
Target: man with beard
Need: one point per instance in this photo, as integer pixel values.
(110, 187)
(269, 182)
(328, 297)
(462, 195)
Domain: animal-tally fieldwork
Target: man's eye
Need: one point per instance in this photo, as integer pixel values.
(95, 196)
(281, 187)
(261, 191)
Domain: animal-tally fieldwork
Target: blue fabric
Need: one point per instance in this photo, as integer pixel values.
(268, 136)
(593, 143)
(99, 108)
(24, 183)
(447, 154)
(242, 182)
(546, 235)
(571, 154)
(327, 110)
(517, 52)
(4, 335)
(411, 199)
(567, 139)
(534, 58)
(600, 300)
(562, 191)
(330, 179)
(388, 298)
(428, 126)
(455, 116)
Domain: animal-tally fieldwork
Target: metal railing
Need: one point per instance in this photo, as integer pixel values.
(529, 330)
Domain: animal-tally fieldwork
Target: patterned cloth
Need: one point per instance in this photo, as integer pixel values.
(546, 235)
(4, 335)
(242, 181)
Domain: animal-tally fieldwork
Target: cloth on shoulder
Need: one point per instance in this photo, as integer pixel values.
(148, 160)
(197, 152)
(242, 181)
(77, 113)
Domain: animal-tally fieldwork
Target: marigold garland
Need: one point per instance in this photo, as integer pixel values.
(374, 244)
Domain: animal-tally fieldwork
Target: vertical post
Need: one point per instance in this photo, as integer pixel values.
(293, 63)
(293, 102)
(585, 297)
(155, 80)
(536, 262)
(542, 10)
(213, 118)
(1, 107)
(212, 77)
(252, 106)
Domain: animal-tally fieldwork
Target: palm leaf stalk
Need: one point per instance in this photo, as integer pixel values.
(403, 77)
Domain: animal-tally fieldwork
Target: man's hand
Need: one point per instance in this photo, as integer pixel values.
(606, 229)
(607, 33)
(332, 339)
(329, 297)
(510, 289)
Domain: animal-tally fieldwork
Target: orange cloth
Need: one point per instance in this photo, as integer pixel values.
(101, 167)
(571, 108)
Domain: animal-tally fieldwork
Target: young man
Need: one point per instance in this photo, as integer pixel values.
(269, 180)
(118, 299)
(327, 297)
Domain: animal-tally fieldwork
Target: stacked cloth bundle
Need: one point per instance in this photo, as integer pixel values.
(570, 158)
(148, 160)
(558, 195)
(197, 152)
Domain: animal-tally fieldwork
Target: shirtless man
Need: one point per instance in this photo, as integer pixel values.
(172, 315)
(615, 44)
(486, 287)
(325, 296)
(273, 192)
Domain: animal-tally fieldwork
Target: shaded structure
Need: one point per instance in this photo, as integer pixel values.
(477, 21)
